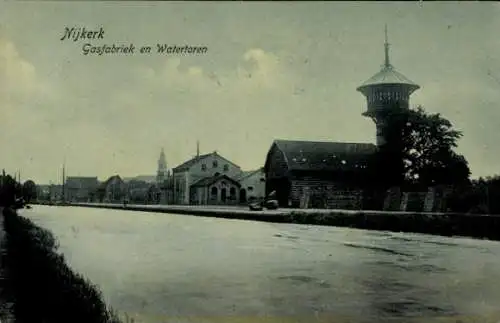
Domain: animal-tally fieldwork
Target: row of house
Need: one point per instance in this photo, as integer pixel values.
(304, 174)
(204, 179)
(90, 189)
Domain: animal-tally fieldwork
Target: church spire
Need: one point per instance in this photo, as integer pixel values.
(197, 148)
(387, 63)
(162, 172)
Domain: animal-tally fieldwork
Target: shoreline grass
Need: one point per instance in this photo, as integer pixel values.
(39, 283)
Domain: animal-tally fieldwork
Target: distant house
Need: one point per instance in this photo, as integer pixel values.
(197, 168)
(49, 192)
(142, 178)
(252, 185)
(80, 189)
(218, 189)
(113, 190)
(316, 174)
(138, 191)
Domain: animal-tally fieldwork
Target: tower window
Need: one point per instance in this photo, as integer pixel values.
(226, 167)
(203, 167)
(214, 164)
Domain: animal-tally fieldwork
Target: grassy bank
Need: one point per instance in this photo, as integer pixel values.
(444, 224)
(40, 284)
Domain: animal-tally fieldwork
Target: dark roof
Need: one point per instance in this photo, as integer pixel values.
(186, 165)
(145, 178)
(246, 174)
(322, 155)
(388, 75)
(213, 179)
(106, 183)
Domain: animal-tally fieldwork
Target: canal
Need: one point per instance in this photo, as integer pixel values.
(178, 268)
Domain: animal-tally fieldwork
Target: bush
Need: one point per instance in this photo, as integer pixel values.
(40, 284)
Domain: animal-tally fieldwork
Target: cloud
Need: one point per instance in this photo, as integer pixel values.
(220, 107)
(21, 92)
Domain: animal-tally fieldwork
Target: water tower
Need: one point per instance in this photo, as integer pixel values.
(386, 90)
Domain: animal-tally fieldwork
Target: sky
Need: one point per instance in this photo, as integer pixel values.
(285, 70)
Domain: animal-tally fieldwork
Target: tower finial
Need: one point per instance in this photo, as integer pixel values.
(387, 64)
(197, 148)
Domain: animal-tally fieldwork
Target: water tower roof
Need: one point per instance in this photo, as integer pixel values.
(388, 75)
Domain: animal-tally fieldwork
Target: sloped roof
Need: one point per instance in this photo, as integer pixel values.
(323, 155)
(187, 164)
(106, 183)
(145, 178)
(213, 179)
(388, 75)
(248, 173)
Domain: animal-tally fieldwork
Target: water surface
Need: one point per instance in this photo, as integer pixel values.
(179, 268)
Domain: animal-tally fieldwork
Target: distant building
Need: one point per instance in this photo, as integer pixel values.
(142, 178)
(113, 190)
(252, 185)
(214, 190)
(316, 174)
(80, 189)
(162, 172)
(137, 191)
(196, 169)
(385, 91)
(50, 192)
(162, 193)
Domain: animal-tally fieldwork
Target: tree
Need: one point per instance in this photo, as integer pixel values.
(418, 150)
(29, 190)
(10, 189)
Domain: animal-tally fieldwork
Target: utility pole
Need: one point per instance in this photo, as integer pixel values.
(64, 182)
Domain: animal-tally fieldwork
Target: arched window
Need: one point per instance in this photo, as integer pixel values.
(214, 192)
(232, 193)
